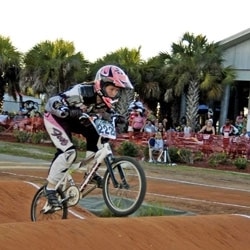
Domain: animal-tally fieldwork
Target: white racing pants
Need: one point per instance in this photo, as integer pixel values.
(66, 152)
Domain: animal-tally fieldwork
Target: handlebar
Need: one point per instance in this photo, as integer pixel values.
(113, 116)
(105, 128)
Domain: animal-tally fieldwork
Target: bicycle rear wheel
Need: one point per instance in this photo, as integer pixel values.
(128, 193)
(42, 211)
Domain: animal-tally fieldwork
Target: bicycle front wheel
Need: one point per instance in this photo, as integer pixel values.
(124, 193)
(42, 211)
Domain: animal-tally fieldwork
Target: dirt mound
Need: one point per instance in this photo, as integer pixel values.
(169, 232)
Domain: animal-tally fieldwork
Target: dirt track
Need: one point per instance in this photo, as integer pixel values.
(215, 225)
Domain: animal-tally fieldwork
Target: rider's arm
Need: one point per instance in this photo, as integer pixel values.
(57, 107)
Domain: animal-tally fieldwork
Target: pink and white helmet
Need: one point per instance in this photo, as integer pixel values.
(108, 75)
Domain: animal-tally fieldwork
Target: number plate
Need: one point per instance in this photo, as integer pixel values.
(105, 129)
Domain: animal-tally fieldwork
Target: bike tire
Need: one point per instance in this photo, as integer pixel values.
(126, 198)
(39, 203)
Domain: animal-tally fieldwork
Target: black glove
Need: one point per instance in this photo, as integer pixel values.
(75, 113)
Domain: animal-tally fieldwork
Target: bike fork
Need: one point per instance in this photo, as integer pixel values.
(112, 176)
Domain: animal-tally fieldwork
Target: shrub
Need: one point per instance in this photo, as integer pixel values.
(38, 137)
(186, 155)
(240, 163)
(21, 136)
(173, 153)
(218, 158)
(128, 148)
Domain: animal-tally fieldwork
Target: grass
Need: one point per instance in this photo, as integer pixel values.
(46, 152)
(43, 152)
(205, 173)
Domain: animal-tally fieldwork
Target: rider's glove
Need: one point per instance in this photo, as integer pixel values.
(75, 113)
(106, 116)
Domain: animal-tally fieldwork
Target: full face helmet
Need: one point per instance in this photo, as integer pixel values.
(110, 75)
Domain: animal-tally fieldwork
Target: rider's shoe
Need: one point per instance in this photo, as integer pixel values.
(52, 198)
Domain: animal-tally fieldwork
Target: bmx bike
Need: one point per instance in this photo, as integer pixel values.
(124, 180)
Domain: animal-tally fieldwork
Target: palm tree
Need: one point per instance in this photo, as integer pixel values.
(194, 63)
(51, 67)
(10, 60)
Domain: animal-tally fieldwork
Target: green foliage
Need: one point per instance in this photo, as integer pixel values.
(106, 213)
(21, 136)
(128, 148)
(186, 155)
(79, 143)
(218, 158)
(173, 153)
(38, 137)
(240, 163)
(151, 211)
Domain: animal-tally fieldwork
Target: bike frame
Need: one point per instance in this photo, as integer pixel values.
(104, 154)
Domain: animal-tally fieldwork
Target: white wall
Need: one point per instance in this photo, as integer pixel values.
(13, 106)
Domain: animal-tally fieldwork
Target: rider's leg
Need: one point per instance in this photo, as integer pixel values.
(64, 157)
(60, 164)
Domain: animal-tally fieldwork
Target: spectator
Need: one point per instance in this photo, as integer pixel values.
(136, 104)
(239, 121)
(165, 122)
(161, 127)
(149, 128)
(244, 133)
(210, 114)
(227, 130)
(156, 144)
(138, 121)
(187, 130)
(208, 128)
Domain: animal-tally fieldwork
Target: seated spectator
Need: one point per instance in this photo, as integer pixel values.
(244, 133)
(156, 144)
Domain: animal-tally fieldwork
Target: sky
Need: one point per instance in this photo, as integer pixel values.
(99, 27)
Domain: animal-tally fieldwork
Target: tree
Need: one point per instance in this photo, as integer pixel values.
(10, 60)
(194, 63)
(51, 67)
